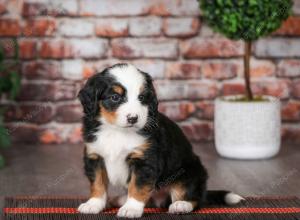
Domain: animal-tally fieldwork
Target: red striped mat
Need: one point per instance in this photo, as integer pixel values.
(66, 208)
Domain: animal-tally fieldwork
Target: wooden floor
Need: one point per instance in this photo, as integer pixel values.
(57, 170)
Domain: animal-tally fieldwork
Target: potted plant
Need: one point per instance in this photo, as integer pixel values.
(9, 85)
(246, 126)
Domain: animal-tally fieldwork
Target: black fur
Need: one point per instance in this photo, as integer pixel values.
(168, 160)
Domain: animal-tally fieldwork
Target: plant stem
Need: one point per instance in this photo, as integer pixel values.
(247, 55)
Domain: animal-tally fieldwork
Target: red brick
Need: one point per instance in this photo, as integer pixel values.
(41, 70)
(137, 48)
(39, 27)
(291, 111)
(204, 48)
(201, 90)
(10, 66)
(92, 67)
(207, 32)
(48, 91)
(9, 27)
(181, 27)
(277, 47)
(23, 133)
(183, 70)
(174, 90)
(57, 134)
(145, 26)
(296, 7)
(9, 47)
(68, 113)
(50, 136)
(14, 8)
(76, 28)
(27, 49)
(220, 69)
(72, 69)
(197, 130)
(96, 48)
(89, 48)
(33, 9)
(55, 49)
(53, 8)
(290, 27)
(177, 111)
(2, 8)
(296, 89)
(113, 7)
(88, 71)
(30, 113)
(174, 7)
(205, 110)
(262, 68)
(112, 27)
(277, 88)
(291, 133)
(233, 88)
(289, 68)
(156, 68)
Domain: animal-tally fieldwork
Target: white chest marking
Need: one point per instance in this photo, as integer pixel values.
(114, 145)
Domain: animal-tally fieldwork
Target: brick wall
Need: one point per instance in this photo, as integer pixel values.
(62, 42)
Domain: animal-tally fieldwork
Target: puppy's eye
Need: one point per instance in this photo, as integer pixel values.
(141, 97)
(115, 98)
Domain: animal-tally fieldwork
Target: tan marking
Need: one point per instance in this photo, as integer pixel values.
(118, 89)
(142, 88)
(99, 186)
(178, 192)
(92, 156)
(138, 153)
(110, 116)
(141, 193)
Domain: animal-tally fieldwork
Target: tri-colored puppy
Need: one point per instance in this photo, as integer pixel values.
(129, 144)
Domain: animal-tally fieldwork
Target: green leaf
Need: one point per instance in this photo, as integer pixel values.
(15, 81)
(1, 54)
(2, 161)
(4, 137)
(245, 19)
(4, 84)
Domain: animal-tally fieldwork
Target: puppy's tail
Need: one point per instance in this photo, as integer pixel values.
(221, 197)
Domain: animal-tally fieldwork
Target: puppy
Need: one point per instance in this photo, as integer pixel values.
(129, 144)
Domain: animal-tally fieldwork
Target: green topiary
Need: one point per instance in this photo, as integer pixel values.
(10, 85)
(247, 20)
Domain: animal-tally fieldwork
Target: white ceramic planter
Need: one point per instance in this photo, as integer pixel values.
(245, 130)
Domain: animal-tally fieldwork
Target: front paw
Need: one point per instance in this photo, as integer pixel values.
(92, 206)
(131, 209)
(180, 207)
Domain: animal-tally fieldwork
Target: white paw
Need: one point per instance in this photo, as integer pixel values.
(180, 207)
(131, 209)
(92, 206)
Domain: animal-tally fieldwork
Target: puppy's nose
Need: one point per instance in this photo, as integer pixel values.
(132, 119)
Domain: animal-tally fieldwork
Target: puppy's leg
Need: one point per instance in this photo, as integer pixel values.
(95, 171)
(138, 195)
(181, 203)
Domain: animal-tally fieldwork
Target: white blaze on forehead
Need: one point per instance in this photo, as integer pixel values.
(129, 77)
(133, 81)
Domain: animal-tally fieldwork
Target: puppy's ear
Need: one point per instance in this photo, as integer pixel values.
(154, 102)
(90, 95)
